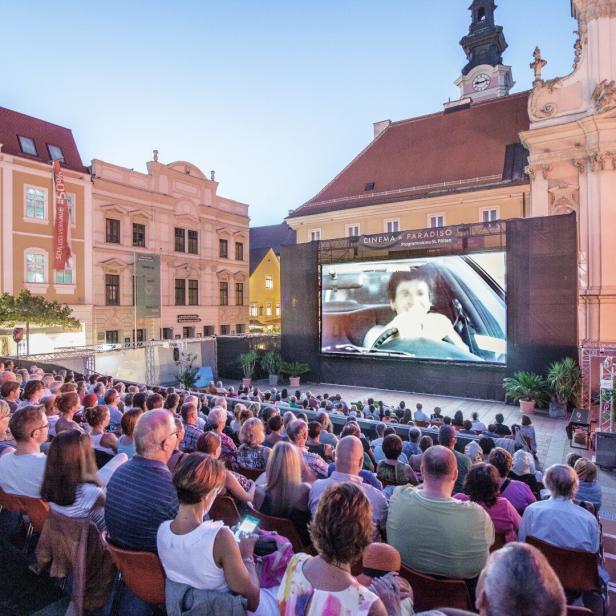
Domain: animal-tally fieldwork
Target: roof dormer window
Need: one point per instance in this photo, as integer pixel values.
(55, 152)
(27, 145)
(369, 186)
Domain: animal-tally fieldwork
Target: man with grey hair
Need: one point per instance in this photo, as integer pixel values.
(140, 494)
(217, 420)
(314, 465)
(501, 593)
(559, 520)
(435, 533)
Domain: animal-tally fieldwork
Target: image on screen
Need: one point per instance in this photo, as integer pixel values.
(446, 308)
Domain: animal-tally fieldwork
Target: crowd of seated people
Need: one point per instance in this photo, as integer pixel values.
(146, 465)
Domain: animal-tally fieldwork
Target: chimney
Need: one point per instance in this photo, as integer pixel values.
(379, 127)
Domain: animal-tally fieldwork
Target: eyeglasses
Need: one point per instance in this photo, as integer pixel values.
(162, 443)
(39, 428)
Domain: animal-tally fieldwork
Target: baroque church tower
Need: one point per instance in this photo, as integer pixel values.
(484, 76)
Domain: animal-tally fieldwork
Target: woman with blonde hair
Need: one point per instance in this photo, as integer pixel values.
(252, 454)
(285, 495)
(589, 488)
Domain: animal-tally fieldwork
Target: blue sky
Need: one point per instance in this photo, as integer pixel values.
(276, 96)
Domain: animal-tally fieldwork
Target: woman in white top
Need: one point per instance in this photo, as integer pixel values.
(98, 418)
(205, 555)
(70, 484)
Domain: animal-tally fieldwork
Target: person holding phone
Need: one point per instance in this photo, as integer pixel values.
(205, 554)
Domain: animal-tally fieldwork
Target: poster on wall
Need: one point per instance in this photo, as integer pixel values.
(446, 308)
(147, 282)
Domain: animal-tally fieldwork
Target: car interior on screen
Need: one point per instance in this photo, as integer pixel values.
(447, 308)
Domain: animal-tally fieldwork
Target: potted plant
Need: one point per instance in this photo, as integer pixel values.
(527, 388)
(248, 361)
(187, 373)
(271, 363)
(294, 369)
(564, 380)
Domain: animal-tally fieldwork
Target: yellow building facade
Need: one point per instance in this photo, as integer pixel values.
(264, 293)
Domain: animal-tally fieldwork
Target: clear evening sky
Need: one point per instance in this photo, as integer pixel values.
(276, 96)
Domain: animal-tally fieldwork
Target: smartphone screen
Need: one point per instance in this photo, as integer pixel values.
(247, 526)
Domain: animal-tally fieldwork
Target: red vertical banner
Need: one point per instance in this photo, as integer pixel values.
(61, 248)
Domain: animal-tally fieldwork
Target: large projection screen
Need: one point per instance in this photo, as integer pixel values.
(445, 308)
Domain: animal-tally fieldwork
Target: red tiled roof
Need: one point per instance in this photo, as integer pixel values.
(13, 123)
(442, 152)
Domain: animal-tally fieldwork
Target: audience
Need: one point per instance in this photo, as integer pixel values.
(68, 404)
(523, 469)
(390, 470)
(7, 442)
(516, 492)
(435, 533)
(588, 487)
(252, 454)
(126, 442)
(518, 581)
(191, 430)
(98, 418)
(217, 421)
(447, 438)
(314, 466)
(274, 426)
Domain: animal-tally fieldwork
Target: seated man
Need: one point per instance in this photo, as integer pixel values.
(349, 461)
(419, 414)
(433, 532)
(140, 494)
(191, 431)
(22, 470)
(500, 592)
(315, 467)
(447, 438)
(217, 422)
(559, 520)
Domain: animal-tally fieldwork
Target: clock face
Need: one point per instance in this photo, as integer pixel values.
(481, 82)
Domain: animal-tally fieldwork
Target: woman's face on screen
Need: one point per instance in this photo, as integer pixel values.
(412, 296)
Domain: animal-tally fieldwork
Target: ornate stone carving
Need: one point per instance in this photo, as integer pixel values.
(563, 198)
(212, 175)
(537, 65)
(530, 171)
(579, 164)
(604, 96)
(588, 10)
(155, 152)
(545, 170)
(577, 47)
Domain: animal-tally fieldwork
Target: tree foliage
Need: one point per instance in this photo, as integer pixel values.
(28, 308)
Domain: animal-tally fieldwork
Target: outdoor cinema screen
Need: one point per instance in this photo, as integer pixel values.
(447, 308)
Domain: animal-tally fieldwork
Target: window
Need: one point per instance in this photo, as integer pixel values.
(36, 203)
(138, 235)
(277, 310)
(111, 336)
(208, 330)
(268, 310)
(64, 276)
(112, 231)
(239, 251)
(193, 242)
(260, 311)
(193, 292)
(223, 249)
(224, 293)
(253, 310)
(167, 333)
(180, 240)
(188, 332)
(315, 235)
(369, 186)
(269, 282)
(488, 215)
(36, 267)
(180, 291)
(436, 220)
(55, 152)
(240, 328)
(27, 145)
(392, 226)
(352, 230)
(112, 290)
(239, 293)
(70, 203)
(140, 335)
(225, 330)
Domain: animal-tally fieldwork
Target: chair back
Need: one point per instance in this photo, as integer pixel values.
(250, 473)
(431, 593)
(576, 610)
(576, 570)
(142, 573)
(10, 502)
(499, 541)
(37, 510)
(283, 526)
(225, 509)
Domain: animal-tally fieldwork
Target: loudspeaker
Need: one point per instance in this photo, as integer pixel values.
(580, 417)
(606, 449)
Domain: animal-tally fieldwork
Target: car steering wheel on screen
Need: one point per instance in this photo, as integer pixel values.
(389, 340)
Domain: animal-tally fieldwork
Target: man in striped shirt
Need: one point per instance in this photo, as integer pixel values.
(140, 494)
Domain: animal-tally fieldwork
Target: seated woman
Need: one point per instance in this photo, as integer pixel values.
(125, 442)
(516, 492)
(236, 485)
(481, 486)
(98, 418)
(523, 469)
(458, 419)
(527, 431)
(205, 555)
(71, 485)
(252, 454)
(323, 584)
(588, 488)
(7, 442)
(68, 405)
(274, 424)
(240, 415)
(285, 495)
(390, 470)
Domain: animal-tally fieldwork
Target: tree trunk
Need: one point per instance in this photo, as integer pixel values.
(27, 337)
